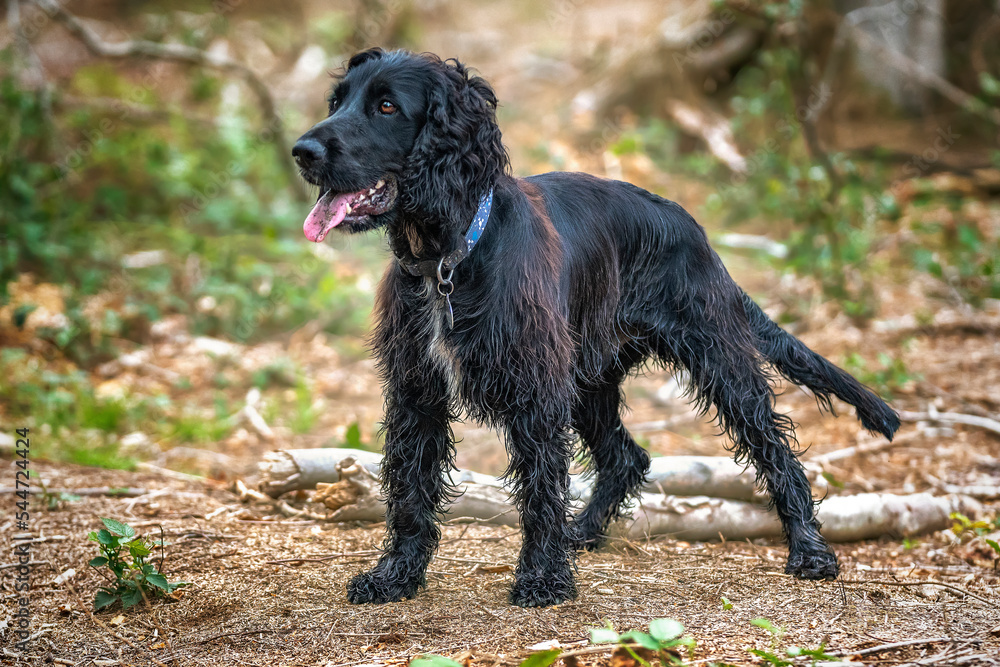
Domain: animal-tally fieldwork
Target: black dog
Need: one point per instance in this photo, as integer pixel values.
(576, 281)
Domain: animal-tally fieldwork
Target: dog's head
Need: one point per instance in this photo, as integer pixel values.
(406, 134)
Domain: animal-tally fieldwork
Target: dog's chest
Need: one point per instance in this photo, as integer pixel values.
(440, 349)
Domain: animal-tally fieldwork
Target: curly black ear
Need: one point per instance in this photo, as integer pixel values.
(374, 53)
(458, 154)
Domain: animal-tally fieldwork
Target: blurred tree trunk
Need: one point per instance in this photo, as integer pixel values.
(912, 28)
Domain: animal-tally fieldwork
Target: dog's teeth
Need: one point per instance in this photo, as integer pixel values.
(372, 191)
(379, 184)
(348, 209)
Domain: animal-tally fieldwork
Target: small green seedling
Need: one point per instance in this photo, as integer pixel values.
(814, 653)
(993, 545)
(777, 632)
(963, 524)
(665, 636)
(131, 578)
(54, 500)
(432, 660)
(726, 604)
(539, 659)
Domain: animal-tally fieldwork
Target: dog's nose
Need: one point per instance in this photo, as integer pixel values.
(308, 152)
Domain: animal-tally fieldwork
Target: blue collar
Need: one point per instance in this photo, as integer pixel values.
(446, 265)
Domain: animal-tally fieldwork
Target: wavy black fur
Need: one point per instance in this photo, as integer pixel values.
(576, 282)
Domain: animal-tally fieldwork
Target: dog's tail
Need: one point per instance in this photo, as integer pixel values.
(798, 363)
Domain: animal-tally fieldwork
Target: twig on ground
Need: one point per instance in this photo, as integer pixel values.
(866, 448)
(895, 645)
(261, 631)
(907, 584)
(252, 416)
(124, 492)
(142, 466)
(326, 557)
(7, 566)
(954, 417)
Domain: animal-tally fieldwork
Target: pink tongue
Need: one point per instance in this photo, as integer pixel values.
(328, 212)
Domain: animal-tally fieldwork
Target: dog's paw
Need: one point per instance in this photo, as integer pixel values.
(812, 565)
(543, 591)
(377, 587)
(581, 540)
(584, 534)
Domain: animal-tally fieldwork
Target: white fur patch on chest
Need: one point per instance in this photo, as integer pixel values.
(439, 351)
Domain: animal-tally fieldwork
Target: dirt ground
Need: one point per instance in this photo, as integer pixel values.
(267, 590)
(250, 605)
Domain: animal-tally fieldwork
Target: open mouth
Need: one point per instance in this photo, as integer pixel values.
(334, 208)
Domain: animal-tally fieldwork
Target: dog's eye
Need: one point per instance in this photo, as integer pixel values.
(386, 108)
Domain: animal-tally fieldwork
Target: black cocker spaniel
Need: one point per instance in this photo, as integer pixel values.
(524, 303)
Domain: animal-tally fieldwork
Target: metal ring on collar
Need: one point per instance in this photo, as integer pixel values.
(444, 282)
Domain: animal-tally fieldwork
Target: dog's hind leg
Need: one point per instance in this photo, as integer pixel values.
(619, 462)
(726, 372)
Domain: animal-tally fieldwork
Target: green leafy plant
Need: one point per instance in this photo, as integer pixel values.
(772, 656)
(963, 525)
(539, 659)
(131, 577)
(814, 653)
(777, 632)
(664, 638)
(433, 660)
(726, 604)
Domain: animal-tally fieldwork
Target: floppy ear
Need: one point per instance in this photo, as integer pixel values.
(374, 53)
(458, 154)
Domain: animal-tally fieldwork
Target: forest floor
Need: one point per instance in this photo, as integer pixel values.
(269, 590)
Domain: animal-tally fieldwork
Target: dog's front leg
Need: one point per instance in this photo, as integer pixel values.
(540, 450)
(419, 450)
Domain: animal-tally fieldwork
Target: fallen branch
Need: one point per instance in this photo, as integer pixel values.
(124, 492)
(752, 242)
(303, 469)
(979, 491)
(288, 470)
(844, 518)
(895, 645)
(951, 417)
(879, 445)
(355, 496)
(907, 584)
(714, 130)
(249, 414)
(941, 326)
